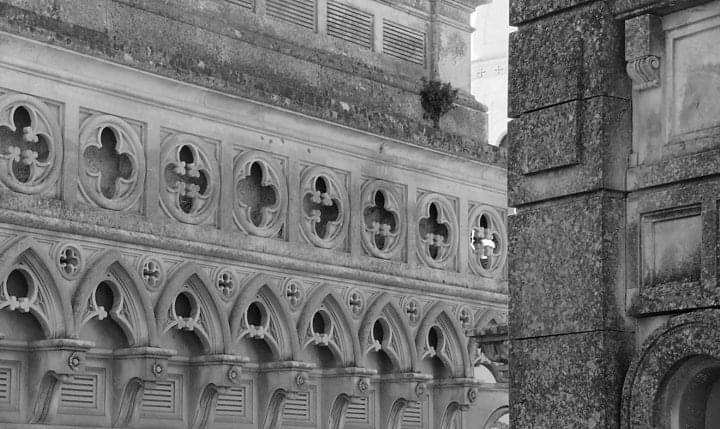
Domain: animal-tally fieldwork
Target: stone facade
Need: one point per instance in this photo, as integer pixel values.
(613, 252)
(232, 214)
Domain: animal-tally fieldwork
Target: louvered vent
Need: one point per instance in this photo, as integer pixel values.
(250, 4)
(403, 42)
(358, 412)
(159, 398)
(300, 12)
(81, 392)
(412, 417)
(5, 382)
(298, 408)
(231, 403)
(350, 24)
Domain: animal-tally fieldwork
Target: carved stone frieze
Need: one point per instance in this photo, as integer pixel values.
(112, 170)
(31, 146)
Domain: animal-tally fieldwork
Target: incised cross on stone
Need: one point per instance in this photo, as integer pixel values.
(23, 145)
(436, 234)
(252, 192)
(321, 207)
(380, 222)
(187, 178)
(111, 164)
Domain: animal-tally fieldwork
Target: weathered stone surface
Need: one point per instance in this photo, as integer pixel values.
(643, 36)
(564, 265)
(567, 381)
(629, 8)
(584, 146)
(522, 11)
(566, 58)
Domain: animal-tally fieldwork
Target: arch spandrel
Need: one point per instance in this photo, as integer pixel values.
(209, 322)
(454, 349)
(346, 337)
(383, 306)
(134, 314)
(50, 306)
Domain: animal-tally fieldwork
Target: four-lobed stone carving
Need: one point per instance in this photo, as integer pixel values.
(30, 144)
(260, 193)
(112, 170)
(325, 208)
(383, 229)
(437, 231)
(488, 245)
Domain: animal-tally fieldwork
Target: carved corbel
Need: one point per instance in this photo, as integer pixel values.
(211, 376)
(491, 347)
(345, 386)
(135, 369)
(398, 391)
(643, 50)
(278, 382)
(52, 363)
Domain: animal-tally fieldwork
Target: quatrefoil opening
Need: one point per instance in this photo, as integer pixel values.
(435, 234)
(488, 247)
(188, 179)
(321, 208)
(24, 146)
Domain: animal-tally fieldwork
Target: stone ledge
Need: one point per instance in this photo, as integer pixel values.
(341, 98)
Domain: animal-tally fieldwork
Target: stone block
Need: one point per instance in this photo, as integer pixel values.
(569, 148)
(568, 381)
(565, 263)
(522, 11)
(643, 36)
(568, 57)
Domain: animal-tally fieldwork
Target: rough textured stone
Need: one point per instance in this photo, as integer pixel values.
(522, 11)
(584, 143)
(563, 265)
(581, 44)
(567, 381)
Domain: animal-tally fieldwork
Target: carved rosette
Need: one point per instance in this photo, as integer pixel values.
(30, 144)
(325, 208)
(116, 181)
(383, 228)
(190, 182)
(488, 241)
(259, 217)
(437, 230)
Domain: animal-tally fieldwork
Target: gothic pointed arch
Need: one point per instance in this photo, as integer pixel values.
(338, 334)
(451, 416)
(397, 342)
(131, 308)
(188, 303)
(42, 297)
(450, 347)
(273, 325)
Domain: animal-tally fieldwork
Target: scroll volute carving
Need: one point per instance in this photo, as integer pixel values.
(112, 162)
(190, 180)
(260, 195)
(437, 231)
(30, 144)
(383, 229)
(325, 208)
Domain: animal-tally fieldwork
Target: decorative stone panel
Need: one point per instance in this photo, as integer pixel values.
(488, 241)
(437, 230)
(325, 207)
(383, 219)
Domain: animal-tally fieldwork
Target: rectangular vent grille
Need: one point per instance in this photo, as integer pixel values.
(231, 403)
(5, 383)
(298, 409)
(250, 4)
(412, 417)
(358, 412)
(350, 24)
(159, 398)
(79, 393)
(299, 12)
(403, 42)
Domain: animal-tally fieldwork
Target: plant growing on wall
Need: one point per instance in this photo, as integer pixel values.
(436, 99)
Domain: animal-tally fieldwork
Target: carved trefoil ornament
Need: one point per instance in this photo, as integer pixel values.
(190, 181)
(260, 194)
(325, 208)
(30, 144)
(383, 226)
(488, 241)
(644, 72)
(112, 163)
(437, 230)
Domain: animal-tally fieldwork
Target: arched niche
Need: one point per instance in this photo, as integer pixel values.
(383, 316)
(674, 382)
(188, 305)
(111, 282)
(440, 340)
(39, 295)
(260, 315)
(324, 323)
